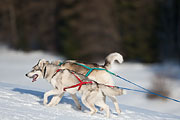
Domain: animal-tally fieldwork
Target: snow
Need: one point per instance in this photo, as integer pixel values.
(25, 103)
(22, 99)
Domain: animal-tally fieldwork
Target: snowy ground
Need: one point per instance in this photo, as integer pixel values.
(22, 99)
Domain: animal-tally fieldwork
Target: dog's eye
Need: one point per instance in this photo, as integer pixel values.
(36, 67)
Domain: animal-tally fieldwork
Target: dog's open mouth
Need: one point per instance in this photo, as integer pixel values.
(34, 77)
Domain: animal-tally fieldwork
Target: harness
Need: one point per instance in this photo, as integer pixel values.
(79, 84)
(144, 90)
(89, 68)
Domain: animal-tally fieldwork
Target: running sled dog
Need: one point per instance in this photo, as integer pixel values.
(62, 80)
(100, 76)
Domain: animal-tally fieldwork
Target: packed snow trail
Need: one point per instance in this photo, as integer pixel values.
(25, 103)
(22, 100)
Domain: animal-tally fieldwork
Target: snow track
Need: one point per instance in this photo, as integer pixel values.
(25, 103)
(20, 99)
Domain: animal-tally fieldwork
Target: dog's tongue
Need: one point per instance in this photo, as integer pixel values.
(34, 78)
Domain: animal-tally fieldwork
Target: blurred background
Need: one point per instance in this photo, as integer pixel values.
(145, 32)
(141, 30)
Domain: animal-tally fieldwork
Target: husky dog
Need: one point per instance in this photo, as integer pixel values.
(92, 92)
(100, 76)
(45, 70)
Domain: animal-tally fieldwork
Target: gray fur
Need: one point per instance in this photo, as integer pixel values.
(92, 94)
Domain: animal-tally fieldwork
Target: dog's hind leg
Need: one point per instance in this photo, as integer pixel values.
(114, 99)
(76, 101)
(92, 108)
(103, 105)
(55, 100)
(104, 99)
(87, 104)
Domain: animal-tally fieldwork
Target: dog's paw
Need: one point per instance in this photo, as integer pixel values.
(108, 116)
(50, 105)
(92, 112)
(101, 109)
(79, 107)
(119, 112)
(45, 102)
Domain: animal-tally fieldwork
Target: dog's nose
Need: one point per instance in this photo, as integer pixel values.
(26, 75)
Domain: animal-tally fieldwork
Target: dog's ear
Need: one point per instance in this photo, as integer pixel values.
(42, 62)
(56, 62)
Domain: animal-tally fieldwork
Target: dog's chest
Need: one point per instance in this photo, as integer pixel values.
(53, 83)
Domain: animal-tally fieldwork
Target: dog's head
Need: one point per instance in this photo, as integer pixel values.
(37, 70)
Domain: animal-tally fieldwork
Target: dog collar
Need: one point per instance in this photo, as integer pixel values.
(56, 72)
(44, 72)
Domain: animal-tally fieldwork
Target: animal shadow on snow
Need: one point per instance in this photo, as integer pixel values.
(40, 95)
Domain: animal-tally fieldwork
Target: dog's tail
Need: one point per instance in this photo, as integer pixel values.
(111, 91)
(111, 58)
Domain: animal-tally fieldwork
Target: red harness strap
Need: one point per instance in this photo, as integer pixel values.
(79, 84)
(110, 86)
(58, 70)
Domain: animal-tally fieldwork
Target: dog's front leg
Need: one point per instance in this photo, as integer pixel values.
(49, 93)
(56, 99)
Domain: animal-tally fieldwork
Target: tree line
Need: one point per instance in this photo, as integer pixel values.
(146, 31)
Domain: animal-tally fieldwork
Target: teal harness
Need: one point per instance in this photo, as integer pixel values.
(90, 69)
(143, 91)
(60, 63)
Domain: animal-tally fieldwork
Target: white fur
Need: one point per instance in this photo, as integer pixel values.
(100, 76)
(112, 57)
(92, 94)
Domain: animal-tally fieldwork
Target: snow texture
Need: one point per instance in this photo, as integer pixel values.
(20, 99)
